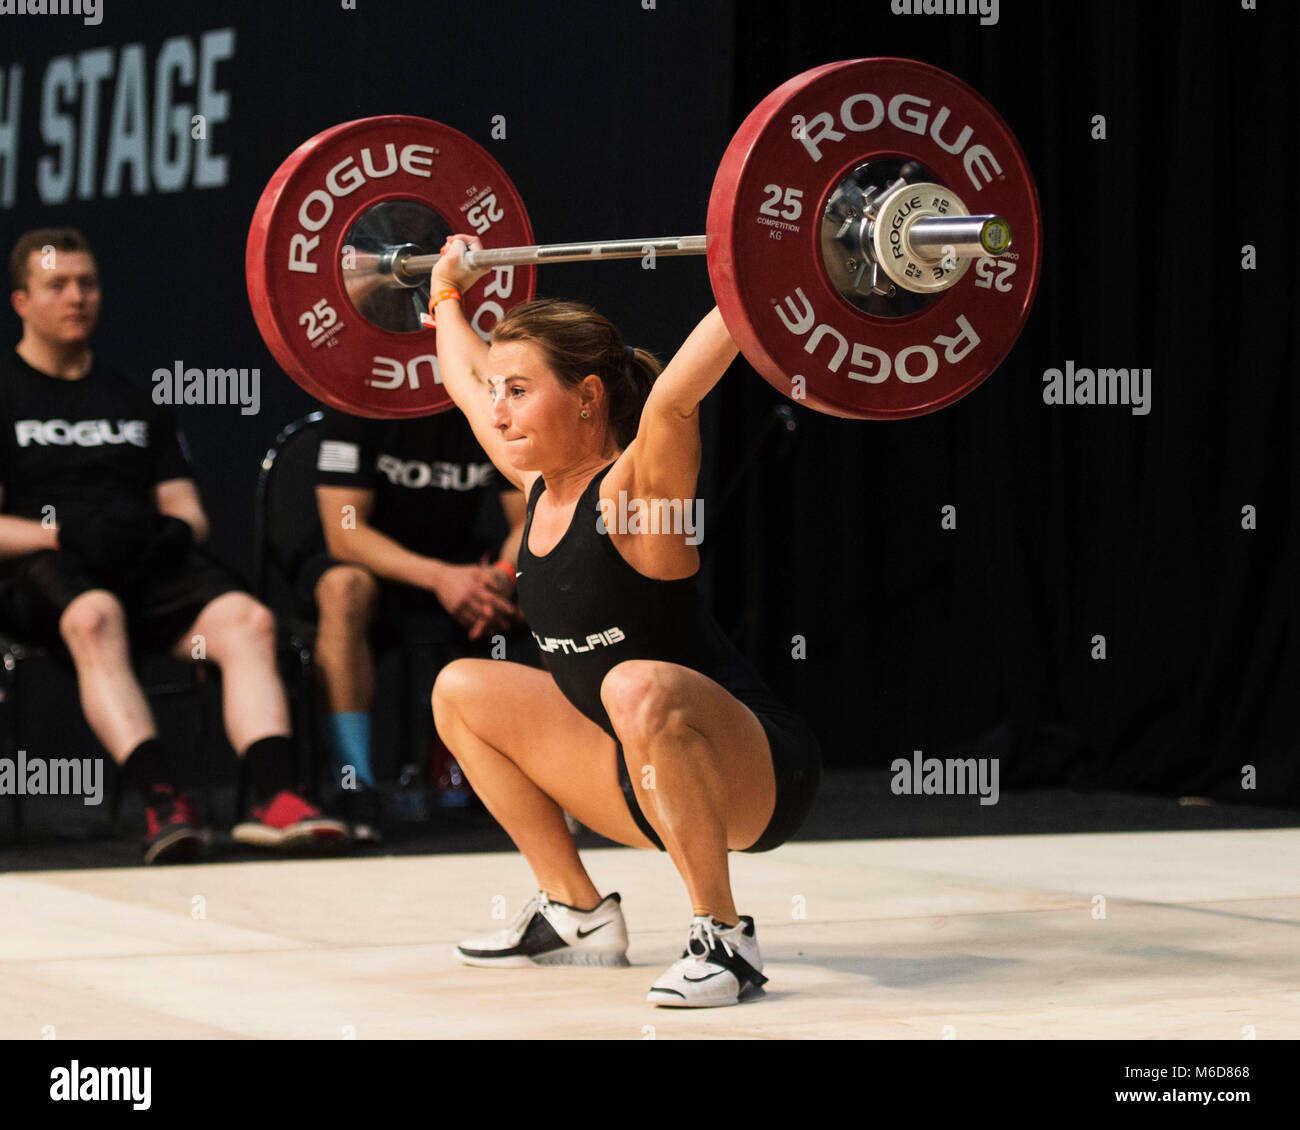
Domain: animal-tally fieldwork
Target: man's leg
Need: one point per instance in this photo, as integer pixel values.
(346, 599)
(238, 635)
(93, 626)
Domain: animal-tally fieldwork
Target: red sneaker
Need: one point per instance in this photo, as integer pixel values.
(290, 822)
(171, 831)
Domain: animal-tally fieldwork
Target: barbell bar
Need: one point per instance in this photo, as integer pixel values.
(967, 237)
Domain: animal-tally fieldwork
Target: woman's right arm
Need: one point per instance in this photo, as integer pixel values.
(463, 355)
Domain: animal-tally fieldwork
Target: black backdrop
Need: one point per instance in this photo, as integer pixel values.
(1072, 522)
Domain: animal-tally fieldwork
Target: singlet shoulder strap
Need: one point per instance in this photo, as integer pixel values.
(538, 486)
(593, 487)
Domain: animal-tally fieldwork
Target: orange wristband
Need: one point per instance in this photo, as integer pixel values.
(505, 567)
(438, 296)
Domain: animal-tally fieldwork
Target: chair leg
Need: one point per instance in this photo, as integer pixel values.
(404, 740)
(11, 732)
(423, 659)
(308, 730)
(241, 791)
(202, 742)
(115, 797)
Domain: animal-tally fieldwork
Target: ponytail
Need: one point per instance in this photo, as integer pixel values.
(628, 391)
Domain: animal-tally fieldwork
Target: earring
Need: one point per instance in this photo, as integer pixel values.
(585, 413)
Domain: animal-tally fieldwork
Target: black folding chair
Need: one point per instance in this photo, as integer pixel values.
(285, 520)
(160, 676)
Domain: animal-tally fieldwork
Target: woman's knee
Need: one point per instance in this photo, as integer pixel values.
(93, 619)
(644, 699)
(453, 687)
(346, 592)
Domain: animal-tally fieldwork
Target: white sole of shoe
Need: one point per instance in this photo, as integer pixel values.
(667, 1000)
(607, 958)
(664, 1000)
(306, 834)
(604, 958)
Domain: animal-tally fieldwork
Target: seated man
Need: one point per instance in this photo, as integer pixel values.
(98, 535)
(398, 502)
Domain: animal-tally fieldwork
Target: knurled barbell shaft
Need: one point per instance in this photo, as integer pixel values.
(965, 235)
(563, 253)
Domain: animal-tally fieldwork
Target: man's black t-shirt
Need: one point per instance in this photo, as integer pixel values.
(81, 442)
(428, 473)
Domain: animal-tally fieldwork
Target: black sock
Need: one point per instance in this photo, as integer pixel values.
(273, 766)
(147, 767)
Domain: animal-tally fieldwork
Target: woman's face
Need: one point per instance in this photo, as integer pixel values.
(536, 414)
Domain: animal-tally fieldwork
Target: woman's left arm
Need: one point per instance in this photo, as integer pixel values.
(695, 369)
(665, 455)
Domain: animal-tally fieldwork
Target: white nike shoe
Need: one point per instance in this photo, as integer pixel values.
(717, 966)
(553, 933)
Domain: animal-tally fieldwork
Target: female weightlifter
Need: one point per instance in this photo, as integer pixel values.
(648, 725)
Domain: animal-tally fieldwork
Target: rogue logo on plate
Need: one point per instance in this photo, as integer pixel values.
(320, 258)
(871, 127)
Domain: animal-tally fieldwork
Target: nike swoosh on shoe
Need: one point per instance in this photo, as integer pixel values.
(706, 977)
(584, 933)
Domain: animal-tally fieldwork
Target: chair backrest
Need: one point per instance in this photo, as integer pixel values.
(286, 522)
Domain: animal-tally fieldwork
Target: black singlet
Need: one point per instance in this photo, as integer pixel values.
(589, 610)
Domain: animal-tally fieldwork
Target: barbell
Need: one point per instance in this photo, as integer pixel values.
(842, 225)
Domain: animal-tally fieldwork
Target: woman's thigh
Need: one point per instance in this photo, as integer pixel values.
(520, 713)
(654, 697)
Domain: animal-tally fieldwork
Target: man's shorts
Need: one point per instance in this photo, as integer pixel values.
(37, 588)
(404, 613)
(796, 762)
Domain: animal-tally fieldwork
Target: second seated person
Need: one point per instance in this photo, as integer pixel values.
(400, 503)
